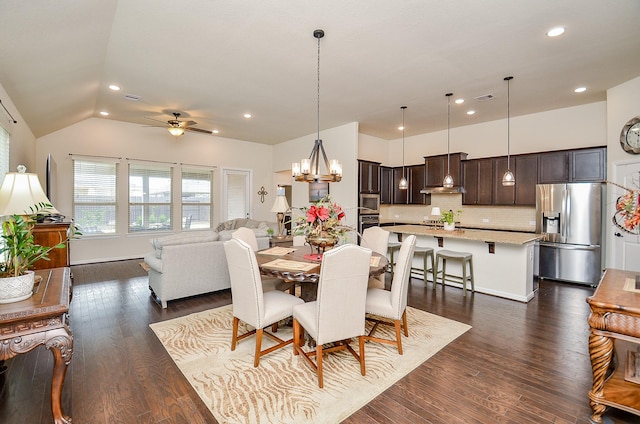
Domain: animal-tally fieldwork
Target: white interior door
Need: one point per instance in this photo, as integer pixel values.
(626, 246)
(236, 189)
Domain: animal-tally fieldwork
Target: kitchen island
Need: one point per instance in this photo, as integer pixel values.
(502, 260)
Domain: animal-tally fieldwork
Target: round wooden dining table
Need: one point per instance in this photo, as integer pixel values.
(292, 265)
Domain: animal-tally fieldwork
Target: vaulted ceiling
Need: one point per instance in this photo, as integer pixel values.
(214, 60)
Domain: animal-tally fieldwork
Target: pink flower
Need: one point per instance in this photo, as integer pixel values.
(311, 214)
(323, 213)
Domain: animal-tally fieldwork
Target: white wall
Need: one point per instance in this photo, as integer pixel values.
(22, 150)
(579, 126)
(622, 105)
(103, 137)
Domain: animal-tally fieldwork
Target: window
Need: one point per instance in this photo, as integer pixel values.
(196, 199)
(149, 197)
(4, 153)
(94, 196)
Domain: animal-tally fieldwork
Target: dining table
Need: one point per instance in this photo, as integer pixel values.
(301, 265)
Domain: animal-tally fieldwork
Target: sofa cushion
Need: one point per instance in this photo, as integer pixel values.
(183, 238)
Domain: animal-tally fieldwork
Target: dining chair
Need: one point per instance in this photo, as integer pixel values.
(268, 283)
(376, 239)
(392, 304)
(251, 304)
(338, 313)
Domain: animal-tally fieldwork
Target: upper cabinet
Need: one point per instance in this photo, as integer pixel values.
(525, 171)
(386, 185)
(400, 197)
(477, 180)
(566, 166)
(416, 183)
(368, 176)
(436, 168)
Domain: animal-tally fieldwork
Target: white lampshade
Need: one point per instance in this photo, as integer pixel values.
(435, 211)
(20, 192)
(280, 205)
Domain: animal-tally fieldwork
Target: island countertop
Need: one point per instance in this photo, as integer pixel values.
(506, 237)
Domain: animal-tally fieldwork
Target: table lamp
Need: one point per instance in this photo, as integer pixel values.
(20, 192)
(435, 211)
(280, 206)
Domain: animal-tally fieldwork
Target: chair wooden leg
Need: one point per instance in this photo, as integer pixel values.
(256, 360)
(404, 323)
(296, 336)
(234, 336)
(398, 336)
(363, 370)
(319, 365)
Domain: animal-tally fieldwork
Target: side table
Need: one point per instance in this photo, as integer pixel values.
(42, 320)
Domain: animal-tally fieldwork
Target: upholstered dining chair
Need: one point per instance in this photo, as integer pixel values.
(376, 239)
(392, 305)
(337, 314)
(250, 304)
(268, 283)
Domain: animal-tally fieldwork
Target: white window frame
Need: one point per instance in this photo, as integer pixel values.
(147, 206)
(187, 223)
(88, 230)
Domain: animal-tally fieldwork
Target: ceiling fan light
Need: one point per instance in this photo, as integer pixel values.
(508, 179)
(176, 131)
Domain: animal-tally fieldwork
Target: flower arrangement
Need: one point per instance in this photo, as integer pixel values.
(627, 214)
(321, 219)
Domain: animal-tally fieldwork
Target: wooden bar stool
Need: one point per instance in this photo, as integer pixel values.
(425, 252)
(464, 258)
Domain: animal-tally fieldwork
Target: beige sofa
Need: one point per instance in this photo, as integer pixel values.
(192, 263)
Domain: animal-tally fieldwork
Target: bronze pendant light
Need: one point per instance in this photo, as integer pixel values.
(448, 179)
(404, 184)
(508, 179)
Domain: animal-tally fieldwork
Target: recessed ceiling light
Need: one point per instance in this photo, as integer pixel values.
(215, 131)
(580, 90)
(104, 113)
(247, 115)
(114, 87)
(459, 101)
(554, 32)
(400, 128)
(471, 112)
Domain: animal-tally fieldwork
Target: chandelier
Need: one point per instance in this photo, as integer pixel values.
(308, 170)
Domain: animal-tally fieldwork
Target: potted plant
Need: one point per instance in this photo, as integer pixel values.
(448, 217)
(19, 252)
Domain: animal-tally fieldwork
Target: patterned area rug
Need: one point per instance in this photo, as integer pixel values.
(284, 389)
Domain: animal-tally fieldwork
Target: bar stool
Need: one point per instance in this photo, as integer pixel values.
(464, 258)
(425, 252)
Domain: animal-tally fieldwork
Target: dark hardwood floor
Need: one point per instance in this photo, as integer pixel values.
(520, 363)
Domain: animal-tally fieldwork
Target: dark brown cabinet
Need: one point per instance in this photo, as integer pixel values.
(568, 166)
(477, 177)
(503, 195)
(400, 197)
(386, 185)
(416, 183)
(368, 176)
(436, 168)
(526, 174)
(50, 235)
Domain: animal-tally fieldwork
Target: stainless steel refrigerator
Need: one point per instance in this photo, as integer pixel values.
(569, 216)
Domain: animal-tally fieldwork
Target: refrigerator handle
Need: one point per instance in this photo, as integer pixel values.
(567, 214)
(563, 215)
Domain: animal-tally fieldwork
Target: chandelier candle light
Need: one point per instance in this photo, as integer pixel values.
(508, 179)
(308, 170)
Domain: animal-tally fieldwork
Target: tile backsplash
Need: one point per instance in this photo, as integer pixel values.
(516, 218)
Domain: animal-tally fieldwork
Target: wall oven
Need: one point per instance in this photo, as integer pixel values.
(367, 221)
(369, 204)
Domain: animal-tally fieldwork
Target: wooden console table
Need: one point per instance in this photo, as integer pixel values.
(615, 332)
(42, 320)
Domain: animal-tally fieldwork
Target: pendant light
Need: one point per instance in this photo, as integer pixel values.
(404, 184)
(308, 170)
(448, 179)
(508, 179)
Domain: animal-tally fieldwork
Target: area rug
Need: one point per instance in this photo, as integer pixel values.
(284, 389)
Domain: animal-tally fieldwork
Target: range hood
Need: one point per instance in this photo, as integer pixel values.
(443, 190)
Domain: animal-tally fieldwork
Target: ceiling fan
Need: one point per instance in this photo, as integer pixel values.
(176, 127)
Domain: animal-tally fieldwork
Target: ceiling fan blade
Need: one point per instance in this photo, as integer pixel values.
(157, 120)
(198, 130)
(189, 123)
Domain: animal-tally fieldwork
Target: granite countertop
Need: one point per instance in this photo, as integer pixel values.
(506, 237)
(461, 225)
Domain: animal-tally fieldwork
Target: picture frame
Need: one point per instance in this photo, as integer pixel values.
(317, 191)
